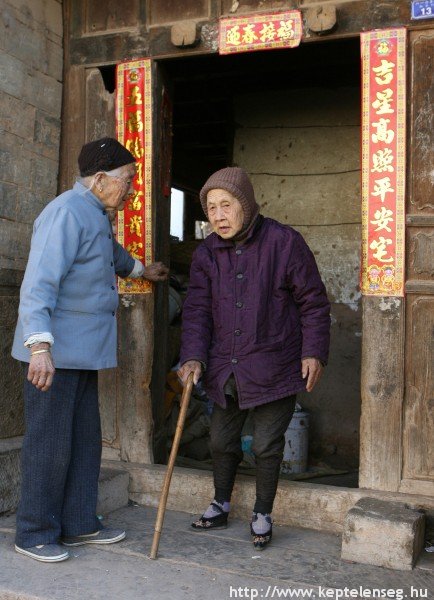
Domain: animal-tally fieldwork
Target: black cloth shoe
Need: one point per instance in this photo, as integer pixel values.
(260, 540)
(219, 521)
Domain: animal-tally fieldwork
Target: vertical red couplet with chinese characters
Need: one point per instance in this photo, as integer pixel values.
(133, 127)
(383, 161)
(246, 33)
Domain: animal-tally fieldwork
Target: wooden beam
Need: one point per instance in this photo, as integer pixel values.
(382, 389)
(112, 47)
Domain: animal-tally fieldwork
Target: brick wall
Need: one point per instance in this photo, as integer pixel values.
(31, 62)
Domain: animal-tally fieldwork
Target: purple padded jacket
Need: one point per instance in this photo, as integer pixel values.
(255, 310)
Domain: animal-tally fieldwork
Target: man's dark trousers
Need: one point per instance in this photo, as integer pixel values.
(61, 458)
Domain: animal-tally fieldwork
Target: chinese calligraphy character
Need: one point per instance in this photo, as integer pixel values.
(268, 32)
(382, 160)
(135, 147)
(385, 72)
(135, 96)
(135, 225)
(134, 248)
(135, 122)
(135, 202)
(382, 104)
(249, 35)
(286, 31)
(382, 188)
(383, 134)
(140, 174)
(233, 36)
(380, 247)
(382, 219)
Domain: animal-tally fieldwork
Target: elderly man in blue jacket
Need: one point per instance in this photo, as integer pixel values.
(66, 332)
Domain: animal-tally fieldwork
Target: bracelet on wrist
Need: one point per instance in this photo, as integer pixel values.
(39, 352)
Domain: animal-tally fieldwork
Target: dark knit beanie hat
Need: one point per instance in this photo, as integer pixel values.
(236, 181)
(105, 154)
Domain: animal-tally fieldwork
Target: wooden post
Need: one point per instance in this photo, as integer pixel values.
(382, 393)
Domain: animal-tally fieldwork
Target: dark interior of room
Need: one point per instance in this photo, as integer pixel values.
(204, 127)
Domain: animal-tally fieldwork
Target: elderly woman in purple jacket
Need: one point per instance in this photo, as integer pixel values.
(256, 325)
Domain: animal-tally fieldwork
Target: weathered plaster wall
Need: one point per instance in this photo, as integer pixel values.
(301, 148)
(31, 56)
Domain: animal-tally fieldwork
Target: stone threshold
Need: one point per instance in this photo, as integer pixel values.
(298, 504)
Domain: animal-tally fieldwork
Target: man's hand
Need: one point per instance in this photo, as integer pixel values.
(41, 368)
(191, 366)
(312, 369)
(156, 272)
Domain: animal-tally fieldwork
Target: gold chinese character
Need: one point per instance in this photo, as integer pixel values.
(286, 30)
(135, 202)
(135, 96)
(249, 35)
(140, 174)
(383, 134)
(382, 188)
(382, 219)
(233, 36)
(135, 147)
(268, 32)
(382, 104)
(135, 122)
(133, 249)
(135, 225)
(380, 247)
(385, 72)
(382, 160)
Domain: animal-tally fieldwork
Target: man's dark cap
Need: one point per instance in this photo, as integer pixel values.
(105, 154)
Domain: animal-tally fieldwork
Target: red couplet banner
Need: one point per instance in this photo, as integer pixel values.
(383, 161)
(134, 131)
(247, 33)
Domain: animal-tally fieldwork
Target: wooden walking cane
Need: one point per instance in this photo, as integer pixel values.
(185, 400)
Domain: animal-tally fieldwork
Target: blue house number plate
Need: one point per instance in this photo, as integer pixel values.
(422, 9)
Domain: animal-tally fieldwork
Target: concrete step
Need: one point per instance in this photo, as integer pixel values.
(297, 504)
(112, 489)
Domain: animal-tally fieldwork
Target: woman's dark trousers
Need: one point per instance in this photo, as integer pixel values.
(270, 422)
(61, 458)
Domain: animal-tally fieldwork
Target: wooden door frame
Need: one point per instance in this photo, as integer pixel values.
(383, 318)
(386, 341)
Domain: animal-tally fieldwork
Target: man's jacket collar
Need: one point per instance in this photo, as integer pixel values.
(82, 190)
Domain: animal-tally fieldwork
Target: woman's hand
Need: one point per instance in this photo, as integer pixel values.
(41, 367)
(191, 366)
(312, 369)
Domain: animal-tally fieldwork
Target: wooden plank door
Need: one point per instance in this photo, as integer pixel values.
(161, 186)
(418, 409)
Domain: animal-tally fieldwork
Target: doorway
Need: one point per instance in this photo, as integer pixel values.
(291, 119)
